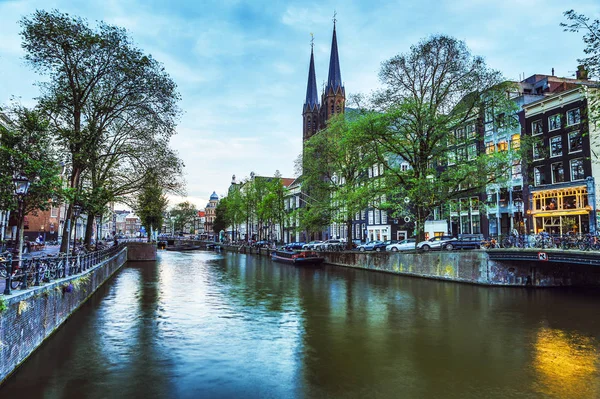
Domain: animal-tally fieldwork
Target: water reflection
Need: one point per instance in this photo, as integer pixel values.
(207, 325)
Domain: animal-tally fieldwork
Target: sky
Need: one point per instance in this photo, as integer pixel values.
(242, 66)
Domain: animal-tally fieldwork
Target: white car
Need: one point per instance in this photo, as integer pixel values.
(435, 243)
(404, 245)
(311, 245)
(329, 245)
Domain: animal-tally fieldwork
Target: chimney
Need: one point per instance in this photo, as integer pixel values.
(552, 71)
(582, 73)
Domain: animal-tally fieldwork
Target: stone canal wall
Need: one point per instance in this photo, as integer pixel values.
(28, 317)
(474, 267)
(141, 251)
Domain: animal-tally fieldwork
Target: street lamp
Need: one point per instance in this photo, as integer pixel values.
(518, 203)
(76, 212)
(21, 188)
(532, 226)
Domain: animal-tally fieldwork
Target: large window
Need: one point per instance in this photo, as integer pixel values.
(556, 146)
(472, 151)
(558, 172)
(573, 117)
(577, 169)
(537, 153)
(536, 127)
(515, 141)
(502, 146)
(489, 147)
(516, 170)
(554, 122)
(575, 141)
(538, 176)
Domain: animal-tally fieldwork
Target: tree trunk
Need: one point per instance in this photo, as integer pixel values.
(350, 237)
(89, 230)
(64, 244)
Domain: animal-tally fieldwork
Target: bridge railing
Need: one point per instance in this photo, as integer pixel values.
(27, 272)
(569, 241)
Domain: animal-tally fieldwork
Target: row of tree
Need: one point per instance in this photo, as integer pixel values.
(257, 203)
(104, 118)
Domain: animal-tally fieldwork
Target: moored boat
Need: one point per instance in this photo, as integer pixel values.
(183, 248)
(297, 258)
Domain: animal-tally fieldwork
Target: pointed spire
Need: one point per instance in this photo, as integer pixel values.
(334, 80)
(312, 100)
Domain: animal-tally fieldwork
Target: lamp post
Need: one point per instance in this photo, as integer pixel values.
(531, 220)
(518, 203)
(21, 188)
(76, 212)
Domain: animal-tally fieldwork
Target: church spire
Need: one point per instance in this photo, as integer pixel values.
(312, 98)
(334, 80)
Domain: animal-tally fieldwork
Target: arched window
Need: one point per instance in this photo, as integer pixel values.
(332, 107)
(308, 125)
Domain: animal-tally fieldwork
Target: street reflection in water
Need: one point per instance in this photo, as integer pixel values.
(201, 324)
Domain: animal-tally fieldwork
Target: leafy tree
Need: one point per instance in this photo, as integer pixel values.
(100, 90)
(335, 169)
(151, 205)
(591, 62)
(26, 149)
(222, 216)
(184, 213)
(429, 93)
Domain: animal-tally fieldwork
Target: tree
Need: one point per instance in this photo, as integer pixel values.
(98, 82)
(335, 170)
(26, 150)
(184, 213)
(222, 216)
(151, 205)
(430, 94)
(591, 63)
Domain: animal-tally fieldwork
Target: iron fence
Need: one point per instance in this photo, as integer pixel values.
(43, 269)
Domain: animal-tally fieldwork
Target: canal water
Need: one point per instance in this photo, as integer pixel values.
(206, 325)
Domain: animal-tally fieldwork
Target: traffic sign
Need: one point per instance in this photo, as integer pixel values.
(542, 256)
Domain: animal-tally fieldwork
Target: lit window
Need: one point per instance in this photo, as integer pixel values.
(556, 146)
(489, 148)
(536, 127)
(573, 117)
(575, 142)
(558, 172)
(502, 146)
(577, 169)
(554, 122)
(516, 141)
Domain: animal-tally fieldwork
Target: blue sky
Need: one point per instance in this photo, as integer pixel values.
(241, 66)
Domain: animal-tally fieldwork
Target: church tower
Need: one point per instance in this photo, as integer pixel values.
(310, 110)
(333, 99)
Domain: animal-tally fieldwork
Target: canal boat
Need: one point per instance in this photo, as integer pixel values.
(302, 258)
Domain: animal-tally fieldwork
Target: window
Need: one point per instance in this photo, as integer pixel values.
(489, 148)
(536, 127)
(472, 151)
(573, 117)
(377, 217)
(538, 176)
(53, 212)
(577, 169)
(516, 170)
(462, 154)
(451, 158)
(384, 217)
(370, 217)
(503, 146)
(554, 122)
(471, 133)
(404, 167)
(515, 142)
(537, 154)
(575, 141)
(460, 135)
(556, 146)
(558, 172)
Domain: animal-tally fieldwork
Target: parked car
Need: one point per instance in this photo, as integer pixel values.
(438, 242)
(329, 245)
(294, 245)
(311, 245)
(404, 245)
(370, 246)
(383, 245)
(465, 241)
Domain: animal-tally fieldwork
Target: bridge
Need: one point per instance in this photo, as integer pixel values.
(546, 256)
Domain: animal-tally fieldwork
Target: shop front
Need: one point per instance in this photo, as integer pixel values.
(560, 211)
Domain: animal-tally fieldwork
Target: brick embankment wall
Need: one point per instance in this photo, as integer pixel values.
(141, 251)
(32, 316)
(474, 267)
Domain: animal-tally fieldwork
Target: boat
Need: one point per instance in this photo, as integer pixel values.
(297, 258)
(183, 248)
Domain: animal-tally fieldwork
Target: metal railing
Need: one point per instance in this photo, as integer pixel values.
(43, 269)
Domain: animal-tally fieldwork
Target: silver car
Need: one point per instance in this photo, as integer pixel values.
(404, 245)
(435, 243)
